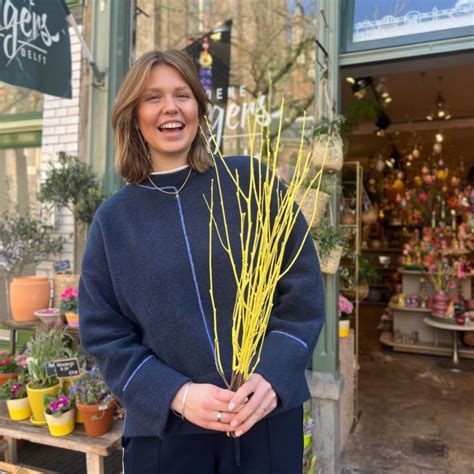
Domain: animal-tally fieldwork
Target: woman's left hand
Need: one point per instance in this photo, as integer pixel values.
(262, 402)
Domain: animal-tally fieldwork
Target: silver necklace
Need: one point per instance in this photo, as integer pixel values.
(174, 193)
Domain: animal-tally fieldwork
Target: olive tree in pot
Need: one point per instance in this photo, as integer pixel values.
(73, 185)
(25, 240)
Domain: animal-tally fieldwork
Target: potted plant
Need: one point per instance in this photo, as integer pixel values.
(45, 346)
(95, 402)
(317, 197)
(73, 185)
(68, 306)
(367, 274)
(14, 392)
(60, 414)
(10, 366)
(328, 144)
(345, 311)
(329, 241)
(25, 240)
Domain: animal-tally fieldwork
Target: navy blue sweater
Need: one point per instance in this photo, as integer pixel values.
(144, 304)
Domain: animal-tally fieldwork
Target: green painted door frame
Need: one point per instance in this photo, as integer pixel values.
(326, 354)
(111, 48)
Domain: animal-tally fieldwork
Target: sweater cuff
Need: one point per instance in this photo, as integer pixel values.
(282, 363)
(147, 397)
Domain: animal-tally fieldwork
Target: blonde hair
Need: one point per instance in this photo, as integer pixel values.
(132, 157)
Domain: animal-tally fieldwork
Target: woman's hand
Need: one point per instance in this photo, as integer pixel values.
(262, 402)
(207, 406)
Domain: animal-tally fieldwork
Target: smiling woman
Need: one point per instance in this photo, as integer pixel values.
(146, 311)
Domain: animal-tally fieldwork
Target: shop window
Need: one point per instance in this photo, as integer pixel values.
(272, 55)
(373, 24)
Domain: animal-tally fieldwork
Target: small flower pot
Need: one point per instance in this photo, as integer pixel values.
(19, 409)
(97, 421)
(72, 319)
(63, 424)
(5, 377)
(36, 397)
(344, 327)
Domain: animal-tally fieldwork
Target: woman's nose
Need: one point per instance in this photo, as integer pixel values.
(169, 105)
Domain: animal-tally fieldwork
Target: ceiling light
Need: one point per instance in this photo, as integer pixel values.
(360, 85)
(439, 111)
(350, 80)
(385, 94)
(439, 137)
(387, 100)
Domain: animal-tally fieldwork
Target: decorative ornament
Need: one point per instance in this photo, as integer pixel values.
(380, 165)
(417, 180)
(428, 179)
(437, 148)
(415, 152)
(425, 169)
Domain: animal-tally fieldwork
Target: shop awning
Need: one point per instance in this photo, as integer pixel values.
(34, 46)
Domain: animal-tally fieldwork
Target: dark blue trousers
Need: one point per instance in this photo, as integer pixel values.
(273, 446)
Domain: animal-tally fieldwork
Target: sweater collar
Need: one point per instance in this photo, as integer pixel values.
(175, 179)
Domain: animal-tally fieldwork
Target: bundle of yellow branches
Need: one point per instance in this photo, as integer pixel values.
(264, 234)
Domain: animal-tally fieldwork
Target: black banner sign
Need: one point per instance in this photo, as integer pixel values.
(34, 46)
(211, 54)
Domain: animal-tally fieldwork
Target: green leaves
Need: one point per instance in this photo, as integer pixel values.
(73, 185)
(25, 240)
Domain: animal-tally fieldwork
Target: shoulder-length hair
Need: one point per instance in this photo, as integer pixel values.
(132, 157)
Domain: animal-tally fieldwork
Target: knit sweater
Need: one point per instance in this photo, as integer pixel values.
(144, 303)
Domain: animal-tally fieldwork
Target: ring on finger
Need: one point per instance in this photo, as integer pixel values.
(219, 416)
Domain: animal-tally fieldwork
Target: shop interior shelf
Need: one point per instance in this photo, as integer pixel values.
(407, 308)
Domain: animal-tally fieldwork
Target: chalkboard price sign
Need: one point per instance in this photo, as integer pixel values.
(67, 368)
(62, 266)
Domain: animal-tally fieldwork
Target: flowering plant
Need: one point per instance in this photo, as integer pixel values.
(14, 389)
(345, 307)
(442, 275)
(91, 389)
(69, 301)
(57, 405)
(10, 363)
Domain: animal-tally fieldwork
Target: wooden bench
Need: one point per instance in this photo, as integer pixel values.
(95, 449)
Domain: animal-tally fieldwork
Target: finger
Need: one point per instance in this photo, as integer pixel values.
(268, 405)
(218, 426)
(243, 392)
(213, 416)
(223, 394)
(249, 409)
(214, 405)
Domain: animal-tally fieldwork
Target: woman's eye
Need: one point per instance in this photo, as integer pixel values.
(153, 98)
(183, 96)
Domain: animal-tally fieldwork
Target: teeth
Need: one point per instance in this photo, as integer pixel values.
(171, 125)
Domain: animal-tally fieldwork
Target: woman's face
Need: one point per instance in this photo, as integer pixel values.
(167, 117)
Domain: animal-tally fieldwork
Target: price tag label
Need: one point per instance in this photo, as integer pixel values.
(62, 266)
(67, 368)
(50, 369)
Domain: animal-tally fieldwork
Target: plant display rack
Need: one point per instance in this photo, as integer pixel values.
(408, 321)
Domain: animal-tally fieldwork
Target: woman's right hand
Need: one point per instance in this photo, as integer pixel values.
(203, 404)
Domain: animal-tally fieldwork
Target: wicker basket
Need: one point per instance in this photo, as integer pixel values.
(330, 264)
(328, 152)
(320, 198)
(61, 282)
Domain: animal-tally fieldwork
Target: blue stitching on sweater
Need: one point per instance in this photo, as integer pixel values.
(190, 256)
(134, 372)
(291, 337)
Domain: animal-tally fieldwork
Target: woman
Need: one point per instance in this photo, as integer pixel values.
(146, 314)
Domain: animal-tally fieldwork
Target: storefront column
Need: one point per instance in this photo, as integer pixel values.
(111, 46)
(325, 382)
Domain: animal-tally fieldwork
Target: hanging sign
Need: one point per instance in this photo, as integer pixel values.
(34, 46)
(211, 54)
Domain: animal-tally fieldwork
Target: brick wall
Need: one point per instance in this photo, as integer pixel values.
(61, 133)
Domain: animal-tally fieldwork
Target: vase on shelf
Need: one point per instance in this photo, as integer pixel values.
(440, 304)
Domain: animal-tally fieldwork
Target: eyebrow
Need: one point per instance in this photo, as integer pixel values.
(177, 89)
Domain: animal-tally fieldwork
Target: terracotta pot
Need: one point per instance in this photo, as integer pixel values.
(96, 421)
(5, 377)
(27, 294)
